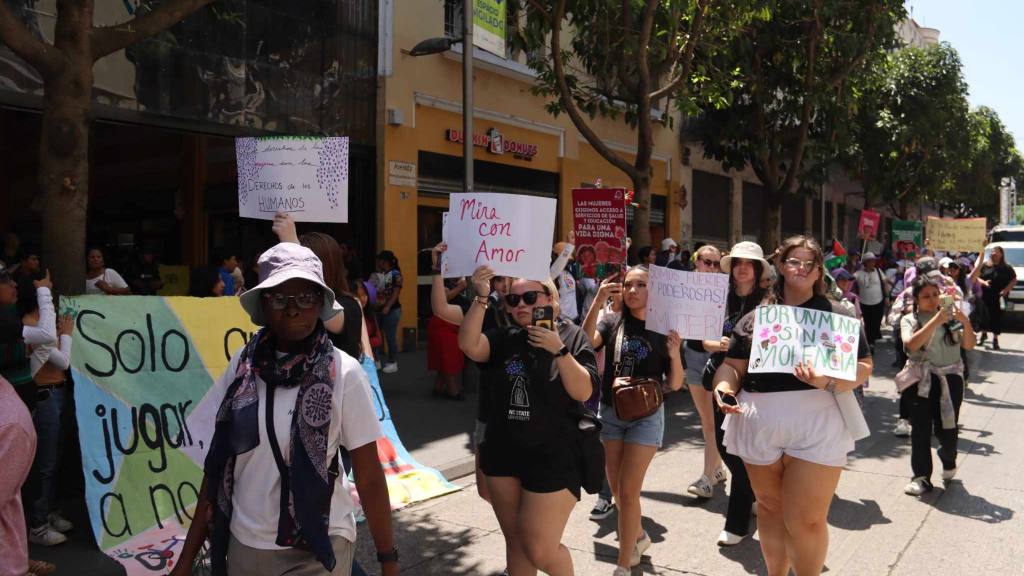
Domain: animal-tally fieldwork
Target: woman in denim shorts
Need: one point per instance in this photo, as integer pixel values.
(630, 446)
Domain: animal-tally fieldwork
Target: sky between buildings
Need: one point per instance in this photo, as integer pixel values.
(986, 33)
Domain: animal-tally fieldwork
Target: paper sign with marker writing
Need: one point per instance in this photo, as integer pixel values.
(511, 233)
(956, 235)
(785, 336)
(306, 177)
(691, 303)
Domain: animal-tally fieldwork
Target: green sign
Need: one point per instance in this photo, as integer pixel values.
(489, 25)
(907, 238)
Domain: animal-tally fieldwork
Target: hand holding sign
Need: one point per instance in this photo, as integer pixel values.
(691, 303)
(788, 338)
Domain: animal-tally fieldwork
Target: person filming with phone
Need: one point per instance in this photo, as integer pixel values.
(637, 359)
(531, 453)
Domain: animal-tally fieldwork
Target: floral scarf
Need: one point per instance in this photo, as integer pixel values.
(308, 483)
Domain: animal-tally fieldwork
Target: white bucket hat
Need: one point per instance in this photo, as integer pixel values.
(284, 262)
(745, 250)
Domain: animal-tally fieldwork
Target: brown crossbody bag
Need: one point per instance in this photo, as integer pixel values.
(633, 398)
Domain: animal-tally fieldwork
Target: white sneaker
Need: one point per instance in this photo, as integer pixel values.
(602, 509)
(45, 535)
(60, 523)
(621, 571)
(719, 475)
(902, 428)
(390, 368)
(918, 486)
(642, 544)
(704, 487)
(727, 538)
(948, 475)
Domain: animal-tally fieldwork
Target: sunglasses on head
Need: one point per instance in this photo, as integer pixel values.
(304, 301)
(530, 298)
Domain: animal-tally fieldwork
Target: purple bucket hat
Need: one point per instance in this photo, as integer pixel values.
(284, 262)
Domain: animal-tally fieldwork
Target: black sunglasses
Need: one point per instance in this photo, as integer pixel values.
(304, 301)
(529, 297)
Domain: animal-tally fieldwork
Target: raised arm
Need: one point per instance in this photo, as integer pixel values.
(471, 338)
(45, 332)
(439, 303)
(609, 287)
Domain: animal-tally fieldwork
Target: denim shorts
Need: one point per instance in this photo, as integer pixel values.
(647, 431)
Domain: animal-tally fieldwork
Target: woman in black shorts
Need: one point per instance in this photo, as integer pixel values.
(530, 455)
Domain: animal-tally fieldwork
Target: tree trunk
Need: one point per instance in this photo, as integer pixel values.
(64, 151)
(641, 232)
(771, 220)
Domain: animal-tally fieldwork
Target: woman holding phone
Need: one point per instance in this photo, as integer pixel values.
(629, 446)
(787, 428)
(933, 342)
(531, 454)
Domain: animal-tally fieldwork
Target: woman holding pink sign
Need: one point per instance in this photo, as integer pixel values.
(788, 428)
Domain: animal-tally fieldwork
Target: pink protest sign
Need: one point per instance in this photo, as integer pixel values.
(599, 222)
(867, 229)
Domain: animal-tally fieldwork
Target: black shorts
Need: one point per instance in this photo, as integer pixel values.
(543, 469)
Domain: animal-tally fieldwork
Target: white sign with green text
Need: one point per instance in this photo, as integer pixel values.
(785, 336)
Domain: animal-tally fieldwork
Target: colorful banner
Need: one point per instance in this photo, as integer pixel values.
(867, 228)
(304, 176)
(511, 233)
(489, 25)
(907, 238)
(599, 222)
(786, 335)
(956, 235)
(143, 367)
(691, 303)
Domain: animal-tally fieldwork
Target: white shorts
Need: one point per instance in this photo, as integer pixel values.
(805, 424)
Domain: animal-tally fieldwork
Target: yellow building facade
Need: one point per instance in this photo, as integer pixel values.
(420, 135)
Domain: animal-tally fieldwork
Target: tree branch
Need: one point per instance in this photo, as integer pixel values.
(541, 9)
(686, 57)
(814, 36)
(106, 41)
(569, 103)
(645, 131)
(869, 41)
(39, 54)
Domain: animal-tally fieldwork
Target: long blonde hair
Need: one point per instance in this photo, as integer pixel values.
(549, 287)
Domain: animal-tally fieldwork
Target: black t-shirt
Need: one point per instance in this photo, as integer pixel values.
(739, 347)
(494, 318)
(998, 277)
(144, 278)
(350, 340)
(644, 353)
(736, 307)
(528, 402)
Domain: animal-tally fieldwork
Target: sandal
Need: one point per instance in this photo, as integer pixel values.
(40, 568)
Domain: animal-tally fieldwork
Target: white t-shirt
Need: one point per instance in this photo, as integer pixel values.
(110, 276)
(870, 284)
(257, 490)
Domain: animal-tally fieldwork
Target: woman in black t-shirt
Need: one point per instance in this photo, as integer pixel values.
(787, 428)
(997, 279)
(531, 452)
(629, 446)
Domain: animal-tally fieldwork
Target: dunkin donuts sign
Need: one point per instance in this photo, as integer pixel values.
(495, 143)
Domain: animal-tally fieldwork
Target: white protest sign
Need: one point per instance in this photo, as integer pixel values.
(511, 233)
(443, 264)
(306, 177)
(691, 303)
(786, 335)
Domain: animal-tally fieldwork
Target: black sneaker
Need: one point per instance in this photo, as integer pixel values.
(602, 509)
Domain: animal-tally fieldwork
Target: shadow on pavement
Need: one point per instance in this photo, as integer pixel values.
(422, 540)
(956, 500)
(853, 515)
(747, 554)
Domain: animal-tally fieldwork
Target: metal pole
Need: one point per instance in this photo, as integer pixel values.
(467, 94)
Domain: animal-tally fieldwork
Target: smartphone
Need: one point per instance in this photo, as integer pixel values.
(544, 317)
(727, 399)
(946, 301)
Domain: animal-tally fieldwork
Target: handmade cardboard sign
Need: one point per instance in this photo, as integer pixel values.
(511, 233)
(599, 222)
(956, 235)
(306, 177)
(786, 335)
(691, 303)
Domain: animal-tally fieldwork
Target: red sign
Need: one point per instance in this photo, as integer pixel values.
(599, 222)
(869, 222)
(495, 143)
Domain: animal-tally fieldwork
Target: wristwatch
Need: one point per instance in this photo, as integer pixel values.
(384, 557)
(563, 352)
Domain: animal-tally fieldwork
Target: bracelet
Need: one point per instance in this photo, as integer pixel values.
(390, 556)
(482, 300)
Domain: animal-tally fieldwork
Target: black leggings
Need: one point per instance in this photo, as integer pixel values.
(741, 495)
(926, 419)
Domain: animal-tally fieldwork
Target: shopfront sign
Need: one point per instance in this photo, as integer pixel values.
(306, 177)
(401, 173)
(495, 143)
(511, 233)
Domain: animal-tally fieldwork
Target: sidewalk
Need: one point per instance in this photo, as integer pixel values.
(971, 527)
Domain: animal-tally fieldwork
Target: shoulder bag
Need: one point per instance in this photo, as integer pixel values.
(633, 398)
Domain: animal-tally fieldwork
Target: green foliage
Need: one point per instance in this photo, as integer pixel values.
(912, 134)
(991, 157)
